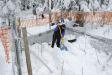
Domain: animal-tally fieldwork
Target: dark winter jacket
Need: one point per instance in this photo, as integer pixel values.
(59, 31)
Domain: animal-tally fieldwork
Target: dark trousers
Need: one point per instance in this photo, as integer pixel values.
(56, 39)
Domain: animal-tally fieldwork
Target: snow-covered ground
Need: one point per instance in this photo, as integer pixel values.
(95, 30)
(105, 31)
(81, 59)
(6, 68)
(39, 29)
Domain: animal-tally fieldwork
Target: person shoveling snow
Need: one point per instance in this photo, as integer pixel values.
(58, 36)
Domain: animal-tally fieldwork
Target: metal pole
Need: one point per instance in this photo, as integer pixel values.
(13, 53)
(18, 57)
(17, 46)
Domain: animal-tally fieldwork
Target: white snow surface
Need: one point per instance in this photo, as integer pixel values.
(39, 29)
(6, 68)
(105, 31)
(79, 59)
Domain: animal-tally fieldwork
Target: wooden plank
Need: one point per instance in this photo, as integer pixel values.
(26, 47)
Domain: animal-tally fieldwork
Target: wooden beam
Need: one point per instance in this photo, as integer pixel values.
(27, 53)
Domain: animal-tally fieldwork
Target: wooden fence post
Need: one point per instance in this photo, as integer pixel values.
(27, 53)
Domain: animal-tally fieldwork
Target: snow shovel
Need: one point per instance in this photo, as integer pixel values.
(63, 47)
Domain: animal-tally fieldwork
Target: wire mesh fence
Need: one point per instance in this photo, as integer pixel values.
(5, 35)
(5, 50)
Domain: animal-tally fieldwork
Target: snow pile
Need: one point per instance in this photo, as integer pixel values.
(39, 29)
